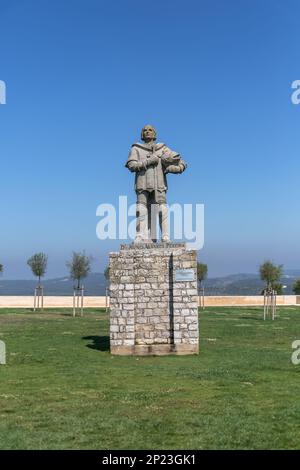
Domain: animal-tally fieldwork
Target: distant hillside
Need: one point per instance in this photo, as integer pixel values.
(246, 284)
(95, 284)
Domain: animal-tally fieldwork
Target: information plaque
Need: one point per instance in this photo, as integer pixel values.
(184, 275)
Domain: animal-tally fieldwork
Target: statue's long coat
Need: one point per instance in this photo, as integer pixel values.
(153, 178)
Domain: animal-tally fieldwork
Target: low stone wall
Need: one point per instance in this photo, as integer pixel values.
(49, 301)
(247, 300)
(99, 301)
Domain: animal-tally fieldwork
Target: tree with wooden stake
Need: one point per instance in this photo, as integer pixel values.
(106, 275)
(38, 264)
(80, 267)
(271, 274)
(201, 276)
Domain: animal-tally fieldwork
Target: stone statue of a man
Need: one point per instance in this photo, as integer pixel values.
(151, 161)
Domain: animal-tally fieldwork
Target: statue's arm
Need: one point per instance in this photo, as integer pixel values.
(169, 157)
(133, 164)
(172, 161)
(177, 168)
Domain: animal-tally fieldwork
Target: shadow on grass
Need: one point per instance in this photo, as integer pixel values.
(101, 343)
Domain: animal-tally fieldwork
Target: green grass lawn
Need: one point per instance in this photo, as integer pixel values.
(61, 388)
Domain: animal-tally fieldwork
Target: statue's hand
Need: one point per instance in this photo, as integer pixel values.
(174, 169)
(170, 159)
(153, 160)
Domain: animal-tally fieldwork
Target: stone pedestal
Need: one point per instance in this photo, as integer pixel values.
(153, 300)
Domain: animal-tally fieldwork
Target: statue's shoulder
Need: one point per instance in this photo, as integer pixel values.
(139, 145)
(160, 145)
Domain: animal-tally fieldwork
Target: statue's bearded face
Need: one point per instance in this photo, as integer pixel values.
(148, 133)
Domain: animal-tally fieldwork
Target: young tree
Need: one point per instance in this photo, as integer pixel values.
(79, 266)
(271, 274)
(296, 287)
(38, 264)
(201, 273)
(1, 268)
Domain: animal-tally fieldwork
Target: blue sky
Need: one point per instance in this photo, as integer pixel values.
(214, 77)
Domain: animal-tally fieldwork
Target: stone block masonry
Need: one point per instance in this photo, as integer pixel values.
(152, 311)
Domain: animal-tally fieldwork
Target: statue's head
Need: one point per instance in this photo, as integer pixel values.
(148, 133)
